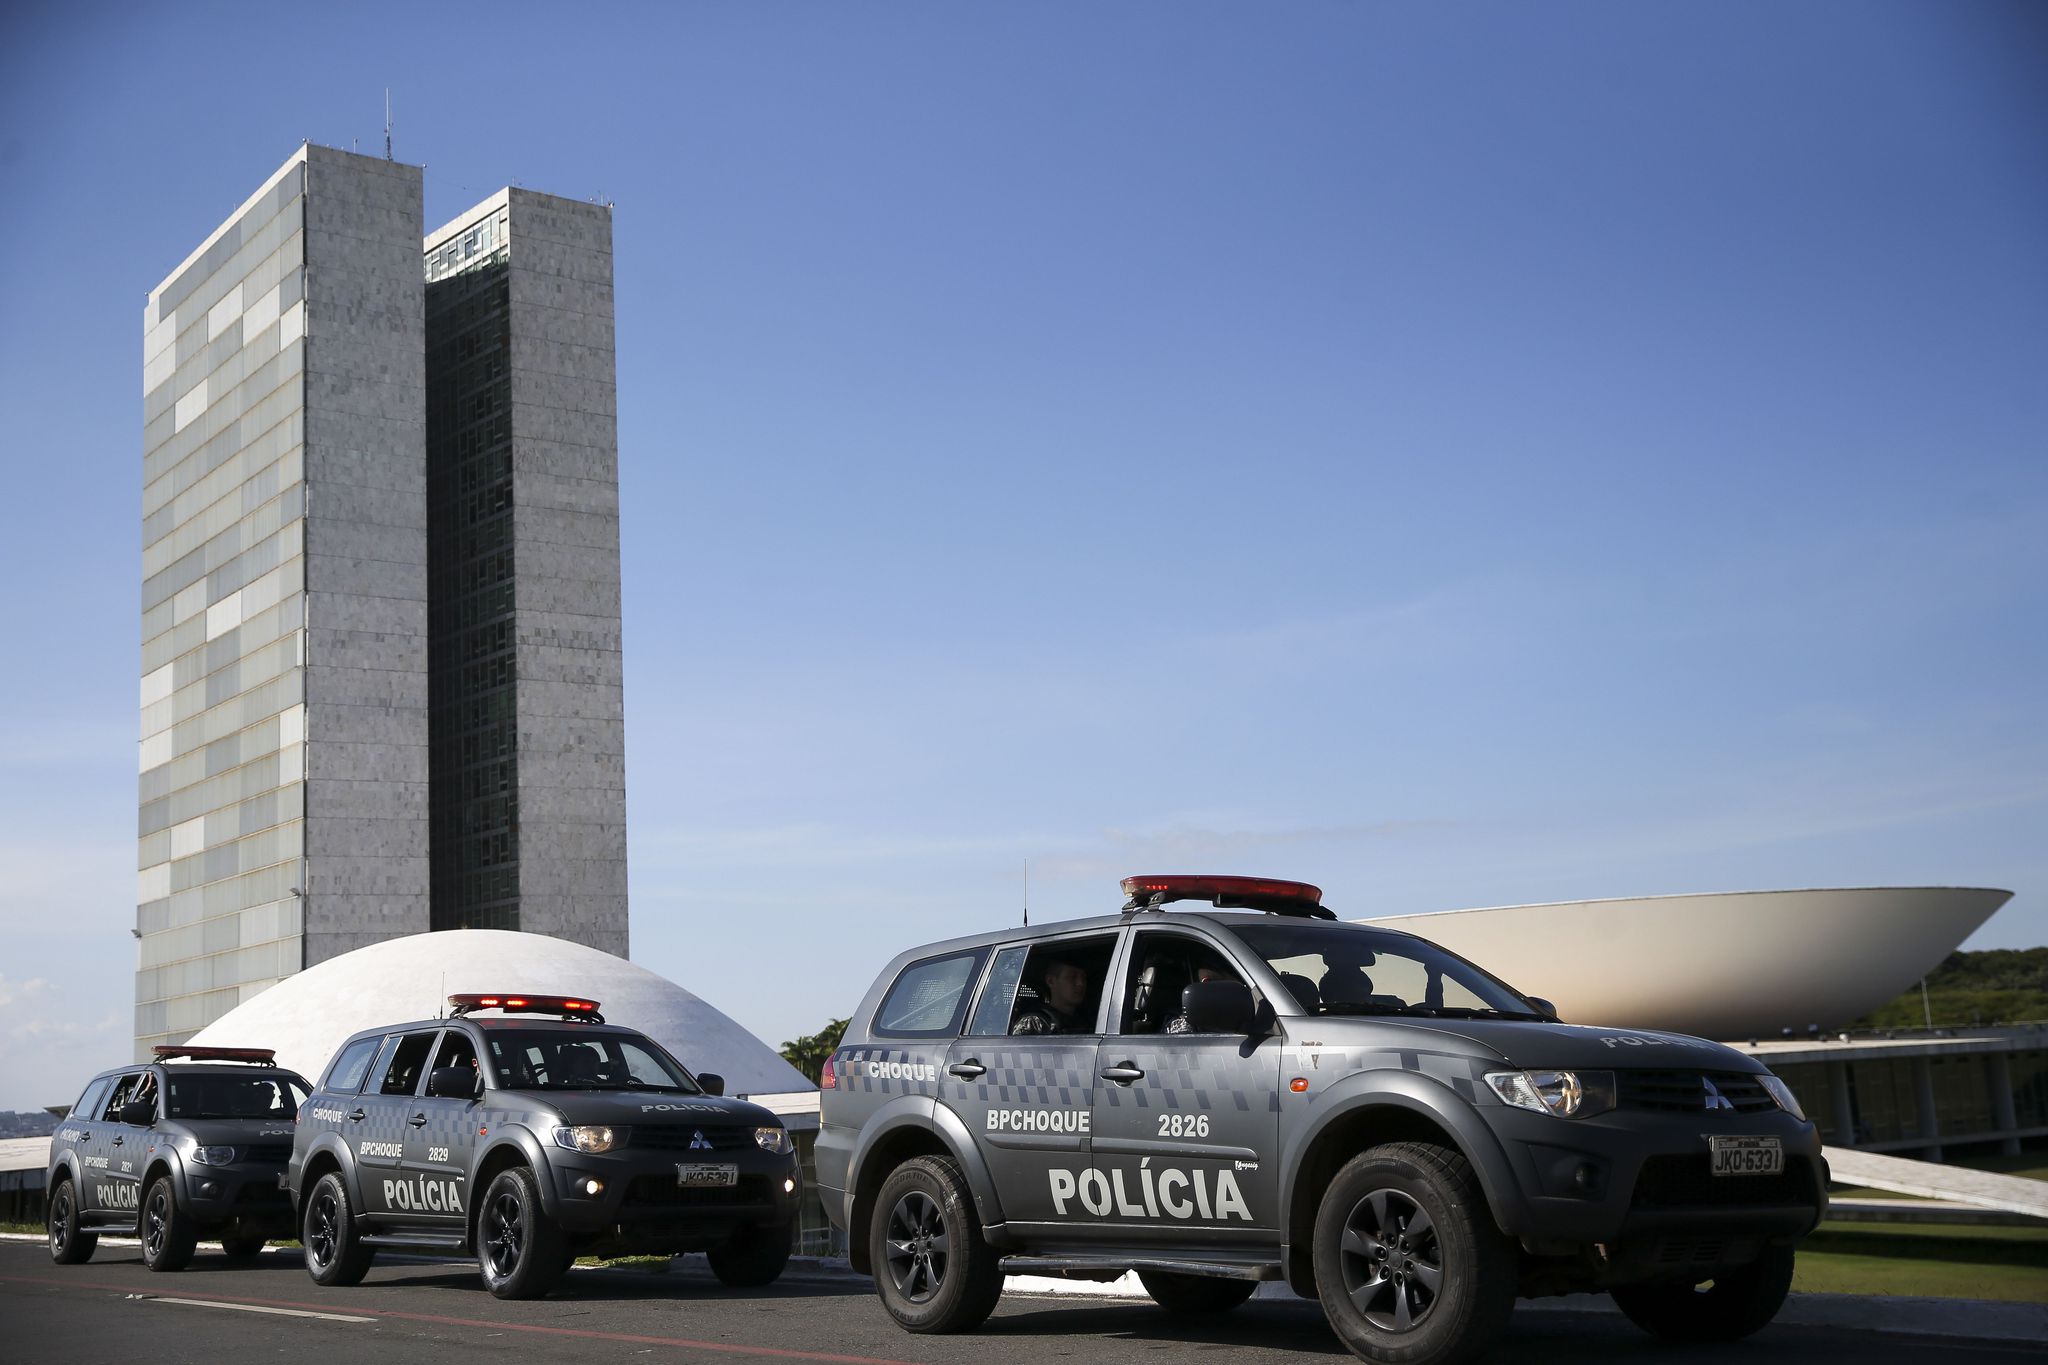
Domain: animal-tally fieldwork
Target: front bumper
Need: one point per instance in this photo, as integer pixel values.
(640, 1202)
(1636, 1178)
(249, 1196)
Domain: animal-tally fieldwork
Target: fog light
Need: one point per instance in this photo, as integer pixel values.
(208, 1189)
(593, 1188)
(788, 1185)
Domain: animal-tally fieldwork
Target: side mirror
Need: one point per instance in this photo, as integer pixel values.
(711, 1082)
(1543, 1007)
(1220, 1007)
(139, 1113)
(453, 1082)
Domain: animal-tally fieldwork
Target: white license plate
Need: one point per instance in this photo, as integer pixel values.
(707, 1173)
(1747, 1155)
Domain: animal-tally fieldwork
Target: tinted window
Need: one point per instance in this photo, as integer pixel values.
(1162, 968)
(565, 1060)
(88, 1103)
(992, 1013)
(257, 1096)
(927, 997)
(1062, 986)
(408, 1063)
(346, 1075)
(1347, 969)
(136, 1085)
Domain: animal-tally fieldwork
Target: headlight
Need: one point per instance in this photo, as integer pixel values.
(214, 1156)
(591, 1138)
(774, 1140)
(1782, 1093)
(1567, 1094)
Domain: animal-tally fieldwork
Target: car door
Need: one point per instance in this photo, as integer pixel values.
(108, 1142)
(387, 1104)
(1186, 1125)
(440, 1139)
(1026, 1097)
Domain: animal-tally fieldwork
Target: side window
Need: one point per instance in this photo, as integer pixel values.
(88, 1103)
(992, 1012)
(456, 1050)
(346, 1075)
(111, 1112)
(1163, 966)
(1061, 988)
(927, 998)
(408, 1064)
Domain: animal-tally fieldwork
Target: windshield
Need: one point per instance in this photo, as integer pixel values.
(262, 1096)
(578, 1060)
(1349, 969)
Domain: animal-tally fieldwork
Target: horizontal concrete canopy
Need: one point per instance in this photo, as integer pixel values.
(1738, 965)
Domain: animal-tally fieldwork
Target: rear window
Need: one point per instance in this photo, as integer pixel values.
(88, 1103)
(927, 999)
(346, 1075)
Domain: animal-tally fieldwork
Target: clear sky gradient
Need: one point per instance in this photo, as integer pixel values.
(1454, 455)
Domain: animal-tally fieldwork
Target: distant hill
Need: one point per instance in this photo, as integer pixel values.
(1994, 986)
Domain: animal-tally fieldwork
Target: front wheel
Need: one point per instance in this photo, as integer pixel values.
(68, 1244)
(1194, 1295)
(933, 1268)
(1728, 1307)
(754, 1257)
(168, 1237)
(335, 1254)
(519, 1249)
(1409, 1265)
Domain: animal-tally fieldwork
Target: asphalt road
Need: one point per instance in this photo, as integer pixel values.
(113, 1310)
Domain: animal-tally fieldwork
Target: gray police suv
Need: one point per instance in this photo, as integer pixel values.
(1256, 1092)
(530, 1142)
(188, 1147)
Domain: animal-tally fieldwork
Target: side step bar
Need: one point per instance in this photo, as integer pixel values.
(1109, 1267)
(414, 1241)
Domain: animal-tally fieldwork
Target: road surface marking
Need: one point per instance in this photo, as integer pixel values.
(251, 1308)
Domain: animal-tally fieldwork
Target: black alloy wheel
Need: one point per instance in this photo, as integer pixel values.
(918, 1247)
(335, 1254)
(504, 1233)
(520, 1251)
(168, 1238)
(69, 1245)
(1392, 1263)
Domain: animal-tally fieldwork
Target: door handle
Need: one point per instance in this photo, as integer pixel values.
(418, 1120)
(357, 1116)
(1123, 1073)
(968, 1069)
(117, 1139)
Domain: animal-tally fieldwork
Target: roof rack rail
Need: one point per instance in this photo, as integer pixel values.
(258, 1056)
(1297, 900)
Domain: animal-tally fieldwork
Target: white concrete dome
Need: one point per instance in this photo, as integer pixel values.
(1739, 965)
(306, 1017)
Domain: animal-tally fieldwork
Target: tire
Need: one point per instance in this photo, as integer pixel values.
(520, 1251)
(243, 1248)
(754, 1257)
(933, 1268)
(68, 1244)
(1730, 1307)
(1409, 1265)
(168, 1237)
(335, 1254)
(1195, 1296)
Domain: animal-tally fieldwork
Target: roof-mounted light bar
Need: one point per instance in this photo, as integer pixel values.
(1227, 893)
(260, 1056)
(567, 1006)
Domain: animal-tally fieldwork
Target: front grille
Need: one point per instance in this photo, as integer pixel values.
(1688, 1182)
(1685, 1092)
(678, 1137)
(661, 1191)
(276, 1154)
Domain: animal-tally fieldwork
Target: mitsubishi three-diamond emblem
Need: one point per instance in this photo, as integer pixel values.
(697, 1138)
(1715, 1099)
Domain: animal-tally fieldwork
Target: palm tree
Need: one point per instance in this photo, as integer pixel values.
(808, 1053)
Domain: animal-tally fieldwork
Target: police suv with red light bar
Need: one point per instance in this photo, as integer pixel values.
(529, 1142)
(188, 1147)
(1252, 1091)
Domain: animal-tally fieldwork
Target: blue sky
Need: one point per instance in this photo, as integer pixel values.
(1455, 456)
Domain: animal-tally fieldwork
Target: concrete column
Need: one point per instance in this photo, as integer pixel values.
(1923, 1090)
(1998, 1076)
(1838, 1096)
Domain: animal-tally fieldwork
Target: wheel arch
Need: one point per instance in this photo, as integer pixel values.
(912, 1127)
(510, 1147)
(329, 1155)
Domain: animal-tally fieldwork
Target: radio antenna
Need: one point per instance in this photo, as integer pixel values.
(1027, 893)
(387, 124)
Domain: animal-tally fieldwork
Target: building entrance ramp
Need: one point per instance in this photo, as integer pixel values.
(1931, 1180)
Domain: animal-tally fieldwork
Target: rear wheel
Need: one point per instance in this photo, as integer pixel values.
(1194, 1295)
(933, 1268)
(335, 1254)
(754, 1257)
(519, 1249)
(168, 1237)
(68, 1245)
(1726, 1308)
(1409, 1265)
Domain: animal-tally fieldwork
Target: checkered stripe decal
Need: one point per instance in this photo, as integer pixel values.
(1462, 1073)
(1199, 1077)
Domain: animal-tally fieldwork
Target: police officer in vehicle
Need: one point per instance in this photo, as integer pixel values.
(1206, 972)
(1062, 1001)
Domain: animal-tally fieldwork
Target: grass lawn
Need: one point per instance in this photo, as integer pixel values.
(1931, 1260)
